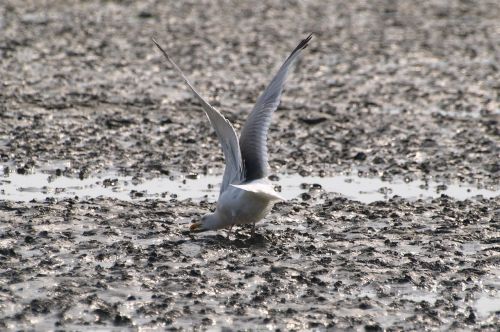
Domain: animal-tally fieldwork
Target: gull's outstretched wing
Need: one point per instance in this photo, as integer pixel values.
(253, 139)
(225, 132)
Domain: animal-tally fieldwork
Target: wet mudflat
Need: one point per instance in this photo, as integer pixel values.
(338, 264)
(403, 94)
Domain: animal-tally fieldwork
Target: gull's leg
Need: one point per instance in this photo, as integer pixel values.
(253, 230)
(229, 231)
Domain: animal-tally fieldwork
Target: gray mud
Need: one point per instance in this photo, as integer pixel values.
(340, 264)
(392, 90)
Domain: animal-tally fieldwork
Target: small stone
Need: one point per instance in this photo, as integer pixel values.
(273, 177)
(373, 328)
(360, 156)
(305, 196)
(29, 239)
(145, 14)
(364, 306)
(313, 121)
(121, 320)
(192, 176)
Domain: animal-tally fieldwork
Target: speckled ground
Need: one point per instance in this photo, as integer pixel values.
(339, 264)
(392, 89)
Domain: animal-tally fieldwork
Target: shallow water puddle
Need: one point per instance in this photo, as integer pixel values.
(487, 305)
(40, 185)
(489, 301)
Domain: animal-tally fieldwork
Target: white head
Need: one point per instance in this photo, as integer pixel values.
(208, 222)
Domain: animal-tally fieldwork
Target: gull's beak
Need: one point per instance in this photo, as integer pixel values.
(196, 227)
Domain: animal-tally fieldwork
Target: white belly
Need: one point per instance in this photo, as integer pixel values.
(237, 206)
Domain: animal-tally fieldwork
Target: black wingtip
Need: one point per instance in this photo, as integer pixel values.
(155, 42)
(308, 38)
(303, 44)
(161, 49)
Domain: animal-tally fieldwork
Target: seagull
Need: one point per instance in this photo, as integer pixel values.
(246, 196)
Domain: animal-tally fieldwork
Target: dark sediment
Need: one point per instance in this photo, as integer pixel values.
(339, 264)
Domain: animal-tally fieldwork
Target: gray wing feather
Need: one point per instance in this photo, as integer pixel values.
(225, 132)
(253, 139)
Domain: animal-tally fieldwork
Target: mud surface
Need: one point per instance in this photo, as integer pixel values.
(340, 264)
(402, 91)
